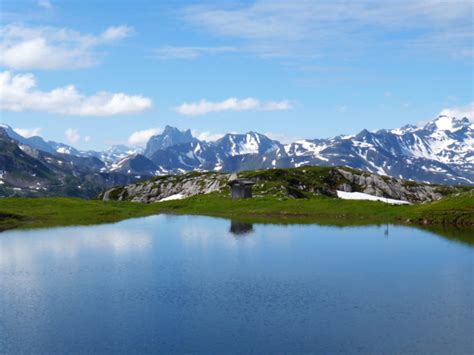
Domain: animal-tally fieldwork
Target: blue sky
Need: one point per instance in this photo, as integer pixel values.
(97, 73)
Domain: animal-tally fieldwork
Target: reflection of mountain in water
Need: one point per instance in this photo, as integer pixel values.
(240, 228)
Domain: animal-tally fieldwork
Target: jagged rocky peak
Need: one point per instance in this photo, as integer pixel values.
(168, 138)
(364, 134)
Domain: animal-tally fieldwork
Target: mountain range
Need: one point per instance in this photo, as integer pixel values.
(441, 152)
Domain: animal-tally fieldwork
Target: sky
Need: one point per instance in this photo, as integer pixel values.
(98, 73)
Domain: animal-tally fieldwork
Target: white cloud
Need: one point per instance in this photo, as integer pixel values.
(207, 136)
(87, 139)
(142, 137)
(28, 132)
(116, 33)
(232, 104)
(460, 112)
(282, 138)
(18, 93)
(307, 27)
(72, 135)
(170, 52)
(46, 4)
(53, 48)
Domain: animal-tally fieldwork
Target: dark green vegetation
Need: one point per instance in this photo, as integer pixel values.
(48, 212)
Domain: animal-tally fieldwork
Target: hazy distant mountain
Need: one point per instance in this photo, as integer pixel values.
(135, 164)
(34, 142)
(113, 154)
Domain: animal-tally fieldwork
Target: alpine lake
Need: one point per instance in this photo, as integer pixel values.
(181, 284)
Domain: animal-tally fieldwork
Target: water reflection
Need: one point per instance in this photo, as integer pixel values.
(240, 228)
(191, 284)
(24, 247)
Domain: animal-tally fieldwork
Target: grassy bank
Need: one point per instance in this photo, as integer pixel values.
(48, 212)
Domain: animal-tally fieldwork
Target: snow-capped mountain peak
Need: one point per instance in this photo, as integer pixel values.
(248, 143)
(441, 151)
(405, 129)
(446, 123)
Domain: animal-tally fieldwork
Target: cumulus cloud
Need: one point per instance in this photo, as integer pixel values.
(72, 135)
(170, 52)
(207, 136)
(460, 112)
(231, 104)
(143, 136)
(18, 93)
(52, 48)
(28, 132)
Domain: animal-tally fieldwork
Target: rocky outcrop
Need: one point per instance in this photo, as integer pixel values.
(280, 183)
(167, 186)
(384, 186)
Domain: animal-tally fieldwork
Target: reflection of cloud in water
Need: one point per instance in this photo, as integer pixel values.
(24, 247)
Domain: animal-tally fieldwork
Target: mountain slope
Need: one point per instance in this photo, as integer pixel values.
(25, 171)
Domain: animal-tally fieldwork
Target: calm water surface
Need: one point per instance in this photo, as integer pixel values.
(198, 284)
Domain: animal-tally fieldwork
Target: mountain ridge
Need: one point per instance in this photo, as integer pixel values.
(440, 151)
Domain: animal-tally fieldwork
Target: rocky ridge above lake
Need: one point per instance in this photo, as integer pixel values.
(304, 182)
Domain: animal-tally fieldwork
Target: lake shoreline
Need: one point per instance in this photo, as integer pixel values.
(457, 211)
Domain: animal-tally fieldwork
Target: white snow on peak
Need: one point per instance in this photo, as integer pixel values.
(248, 144)
(63, 150)
(452, 124)
(404, 130)
(349, 136)
(444, 123)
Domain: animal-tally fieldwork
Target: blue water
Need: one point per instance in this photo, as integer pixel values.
(175, 284)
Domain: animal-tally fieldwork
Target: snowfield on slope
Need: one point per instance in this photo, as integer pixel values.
(361, 196)
(172, 197)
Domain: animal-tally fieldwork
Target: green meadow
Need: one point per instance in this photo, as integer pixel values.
(51, 212)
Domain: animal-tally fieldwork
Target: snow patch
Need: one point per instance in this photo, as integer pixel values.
(362, 196)
(172, 197)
